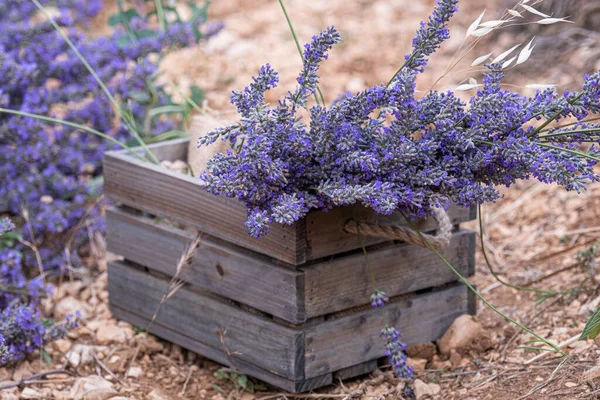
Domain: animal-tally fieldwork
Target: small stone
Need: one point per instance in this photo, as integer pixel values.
(62, 345)
(418, 364)
(46, 199)
(10, 393)
(83, 354)
(591, 373)
(157, 395)
(69, 306)
(111, 334)
(134, 372)
(422, 350)
(455, 359)
(435, 388)
(29, 393)
(179, 165)
(60, 395)
(461, 334)
(570, 384)
(436, 363)
(422, 390)
(92, 387)
(5, 374)
(24, 370)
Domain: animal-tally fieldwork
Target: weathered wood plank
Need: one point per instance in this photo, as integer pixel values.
(325, 233)
(179, 197)
(351, 339)
(355, 370)
(241, 335)
(220, 356)
(344, 282)
(216, 266)
(172, 150)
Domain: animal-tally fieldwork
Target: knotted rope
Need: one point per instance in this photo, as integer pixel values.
(397, 232)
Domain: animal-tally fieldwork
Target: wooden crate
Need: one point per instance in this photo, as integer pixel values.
(290, 308)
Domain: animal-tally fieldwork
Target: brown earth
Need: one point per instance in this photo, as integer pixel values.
(532, 237)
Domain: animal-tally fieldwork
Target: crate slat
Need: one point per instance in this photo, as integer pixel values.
(215, 267)
(351, 339)
(236, 337)
(295, 296)
(326, 236)
(344, 282)
(214, 323)
(174, 195)
(179, 197)
(189, 342)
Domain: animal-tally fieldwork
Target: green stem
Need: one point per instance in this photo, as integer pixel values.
(91, 70)
(73, 125)
(293, 31)
(569, 151)
(584, 155)
(160, 15)
(549, 120)
(550, 135)
(400, 69)
(472, 289)
(571, 124)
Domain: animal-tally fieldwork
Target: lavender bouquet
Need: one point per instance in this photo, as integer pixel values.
(391, 150)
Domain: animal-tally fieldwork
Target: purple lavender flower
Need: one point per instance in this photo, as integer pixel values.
(6, 226)
(396, 352)
(53, 171)
(391, 151)
(378, 299)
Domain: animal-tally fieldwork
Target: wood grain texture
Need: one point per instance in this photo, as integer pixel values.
(220, 356)
(159, 191)
(351, 339)
(216, 266)
(325, 233)
(216, 324)
(179, 197)
(355, 370)
(343, 282)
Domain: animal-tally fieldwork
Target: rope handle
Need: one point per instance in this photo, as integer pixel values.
(397, 232)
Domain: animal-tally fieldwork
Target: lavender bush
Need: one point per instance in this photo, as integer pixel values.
(51, 174)
(391, 150)
(22, 328)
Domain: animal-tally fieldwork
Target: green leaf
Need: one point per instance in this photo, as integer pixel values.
(176, 109)
(123, 41)
(197, 94)
(242, 381)
(146, 33)
(173, 134)
(123, 17)
(221, 374)
(218, 388)
(95, 185)
(45, 356)
(592, 328)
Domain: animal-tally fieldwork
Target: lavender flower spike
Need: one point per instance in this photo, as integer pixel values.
(431, 35)
(314, 53)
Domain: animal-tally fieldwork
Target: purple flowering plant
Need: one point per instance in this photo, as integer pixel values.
(391, 149)
(65, 98)
(23, 330)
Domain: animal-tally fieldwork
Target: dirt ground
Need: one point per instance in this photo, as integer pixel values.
(532, 236)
